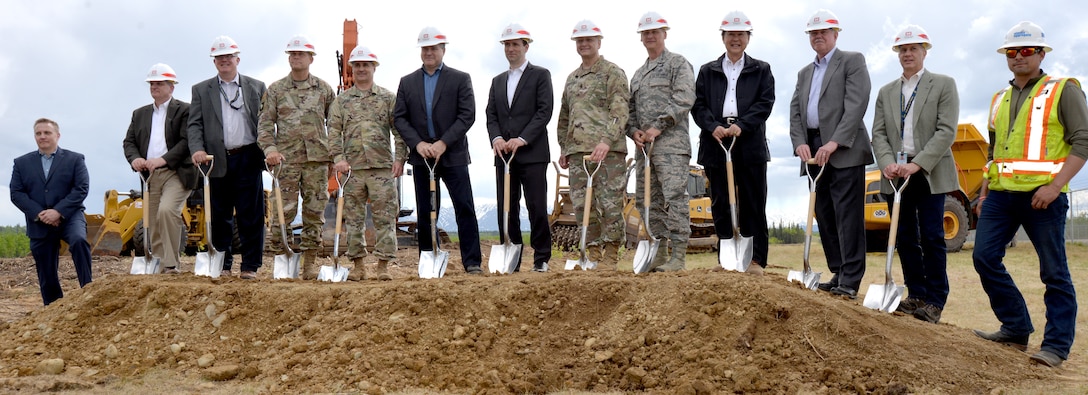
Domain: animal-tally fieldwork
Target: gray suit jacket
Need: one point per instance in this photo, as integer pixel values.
(177, 155)
(936, 114)
(206, 118)
(844, 97)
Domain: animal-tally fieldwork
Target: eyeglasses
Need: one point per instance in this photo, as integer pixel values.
(1025, 52)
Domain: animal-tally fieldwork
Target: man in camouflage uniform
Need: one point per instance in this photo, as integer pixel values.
(360, 127)
(291, 132)
(592, 116)
(662, 92)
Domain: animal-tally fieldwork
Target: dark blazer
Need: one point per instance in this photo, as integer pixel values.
(453, 112)
(205, 131)
(755, 98)
(64, 189)
(844, 97)
(177, 154)
(527, 117)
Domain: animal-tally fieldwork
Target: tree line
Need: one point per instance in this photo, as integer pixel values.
(13, 242)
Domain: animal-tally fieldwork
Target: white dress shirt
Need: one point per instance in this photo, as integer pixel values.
(909, 89)
(513, 76)
(237, 131)
(732, 72)
(156, 144)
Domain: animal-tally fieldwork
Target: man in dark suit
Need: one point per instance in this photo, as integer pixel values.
(519, 107)
(223, 123)
(826, 114)
(435, 108)
(48, 186)
(156, 145)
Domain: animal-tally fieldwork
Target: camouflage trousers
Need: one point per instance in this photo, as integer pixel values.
(609, 187)
(669, 207)
(379, 188)
(311, 181)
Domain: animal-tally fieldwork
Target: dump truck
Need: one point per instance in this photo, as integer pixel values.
(969, 151)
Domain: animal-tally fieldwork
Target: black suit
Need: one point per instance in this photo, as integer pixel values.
(236, 179)
(63, 189)
(526, 117)
(453, 111)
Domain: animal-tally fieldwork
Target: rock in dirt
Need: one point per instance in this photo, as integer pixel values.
(635, 375)
(221, 373)
(175, 348)
(50, 366)
(205, 360)
(111, 351)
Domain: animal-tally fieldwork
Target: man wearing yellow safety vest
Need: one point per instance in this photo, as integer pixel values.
(1039, 133)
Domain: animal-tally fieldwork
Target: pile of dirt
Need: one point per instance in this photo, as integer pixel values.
(699, 331)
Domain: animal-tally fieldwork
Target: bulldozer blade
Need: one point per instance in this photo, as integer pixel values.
(433, 264)
(809, 278)
(209, 263)
(286, 266)
(735, 254)
(334, 273)
(146, 265)
(504, 258)
(885, 297)
(644, 255)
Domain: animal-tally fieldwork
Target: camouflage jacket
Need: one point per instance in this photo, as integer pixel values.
(594, 109)
(662, 93)
(360, 126)
(292, 119)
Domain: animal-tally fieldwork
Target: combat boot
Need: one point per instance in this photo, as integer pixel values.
(383, 270)
(309, 265)
(358, 272)
(676, 259)
(593, 254)
(661, 258)
(611, 256)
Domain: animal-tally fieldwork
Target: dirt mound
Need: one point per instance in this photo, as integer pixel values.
(700, 331)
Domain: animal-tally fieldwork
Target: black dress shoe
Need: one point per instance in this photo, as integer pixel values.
(475, 270)
(826, 287)
(1018, 342)
(846, 291)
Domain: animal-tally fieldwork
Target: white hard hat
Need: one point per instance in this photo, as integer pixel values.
(650, 21)
(514, 31)
(912, 34)
(224, 45)
(822, 19)
(430, 36)
(736, 21)
(300, 44)
(363, 54)
(586, 28)
(1025, 34)
(162, 72)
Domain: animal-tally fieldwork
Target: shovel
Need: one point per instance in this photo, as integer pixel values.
(886, 297)
(432, 264)
(647, 249)
(336, 273)
(808, 277)
(208, 263)
(582, 260)
(285, 265)
(734, 253)
(504, 258)
(146, 264)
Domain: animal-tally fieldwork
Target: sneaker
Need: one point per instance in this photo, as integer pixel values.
(540, 268)
(928, 313)
(474, 270)
(1047, 358)
(172, 270)
(909, 305)
(1018, 342)
(247, 275)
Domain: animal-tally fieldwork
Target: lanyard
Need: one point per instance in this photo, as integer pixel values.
(230, 102)
(904, 109)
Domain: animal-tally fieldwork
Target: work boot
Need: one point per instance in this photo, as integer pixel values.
(676, 259)
(594, 254)
(383, 270)
(611, 256)
(662, 256)
(754, 269)
(309, 265)
(358, 272)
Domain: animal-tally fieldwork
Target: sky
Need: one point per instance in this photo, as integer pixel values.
(83, 63)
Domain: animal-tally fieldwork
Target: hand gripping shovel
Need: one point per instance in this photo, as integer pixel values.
(647, 249)
(210, 262)
(432, 264)
(284, 265)
(734, 253)
(808, 277)
(504, 258)
(583, 261)
(336, 273)
(886, 297)
(146, 264)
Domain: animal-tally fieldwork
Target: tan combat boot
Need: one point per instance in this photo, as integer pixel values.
(358, 271)
(593, 254)
(611, 256)
(383, 270)
(309, 265)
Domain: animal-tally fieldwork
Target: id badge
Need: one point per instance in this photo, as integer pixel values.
(901, 158)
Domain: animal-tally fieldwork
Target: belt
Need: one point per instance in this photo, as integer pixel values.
(813, 132)
(235, 151)
(729, 121)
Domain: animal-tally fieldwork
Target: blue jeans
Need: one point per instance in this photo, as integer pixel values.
(920, 242)
(1002, 213)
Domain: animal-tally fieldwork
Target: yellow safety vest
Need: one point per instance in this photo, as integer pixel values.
(1030, 154)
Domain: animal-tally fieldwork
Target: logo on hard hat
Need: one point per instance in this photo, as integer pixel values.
(1022, 33)
(908, 34)
(222, 45)
(154, 72)
(426, 36)
(508, 30)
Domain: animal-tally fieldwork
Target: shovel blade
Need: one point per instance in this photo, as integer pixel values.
(504, 258)
(885, 297)
(809, 279)
(285, 266)
(145, 265)
(735, 254)
(432, 264)
(644, 255)
(513, 257)
(336, 274)
(208, 264)
(582, 262)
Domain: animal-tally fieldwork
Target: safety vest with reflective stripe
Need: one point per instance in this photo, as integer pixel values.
(1029, 153)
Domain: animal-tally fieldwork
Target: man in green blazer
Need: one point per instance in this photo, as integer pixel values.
(913, 129)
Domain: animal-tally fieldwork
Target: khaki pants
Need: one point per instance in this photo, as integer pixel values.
(165, 199)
